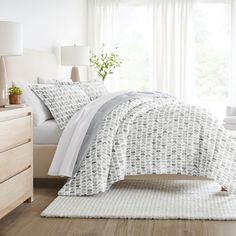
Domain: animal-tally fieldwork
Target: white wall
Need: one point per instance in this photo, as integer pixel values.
(49, 24)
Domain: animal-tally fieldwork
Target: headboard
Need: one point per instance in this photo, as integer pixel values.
(30, 65)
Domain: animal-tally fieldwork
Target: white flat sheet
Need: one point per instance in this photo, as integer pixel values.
(47, 133)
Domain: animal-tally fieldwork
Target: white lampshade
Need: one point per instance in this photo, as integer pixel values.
(75, 55)
(10, 38)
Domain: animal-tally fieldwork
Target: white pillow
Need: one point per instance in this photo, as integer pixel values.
(62, 101)
(41, 80)
(46, 81)
(40, 112)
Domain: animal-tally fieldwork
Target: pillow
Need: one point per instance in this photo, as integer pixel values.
(40, 111)
(46, 81)
(62, 101)
(41, 80)
(94, 89)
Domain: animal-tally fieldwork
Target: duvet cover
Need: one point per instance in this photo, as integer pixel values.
(137, 133)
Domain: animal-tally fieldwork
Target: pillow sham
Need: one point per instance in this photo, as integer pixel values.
(40, 112)
(62, 101)
(94, 89)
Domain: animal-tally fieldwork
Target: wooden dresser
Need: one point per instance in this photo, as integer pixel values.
(16, 158)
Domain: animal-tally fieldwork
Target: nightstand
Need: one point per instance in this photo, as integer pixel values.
(16, 158)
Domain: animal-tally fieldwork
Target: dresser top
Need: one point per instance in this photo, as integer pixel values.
(14, 112)
(9, 108)
(12, 107)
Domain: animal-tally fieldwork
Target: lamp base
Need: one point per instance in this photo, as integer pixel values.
(3, 84)
(75, 74)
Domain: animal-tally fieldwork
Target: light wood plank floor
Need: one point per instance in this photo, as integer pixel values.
(26, 221)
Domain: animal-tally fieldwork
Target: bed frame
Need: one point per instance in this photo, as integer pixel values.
(27, 68)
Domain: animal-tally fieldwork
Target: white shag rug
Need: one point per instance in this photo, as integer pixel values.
(162, 199)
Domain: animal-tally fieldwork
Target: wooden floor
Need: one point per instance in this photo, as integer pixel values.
(26, 221)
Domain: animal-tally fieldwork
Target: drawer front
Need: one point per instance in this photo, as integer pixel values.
(15, 160)
(14, 132)
(15, 191)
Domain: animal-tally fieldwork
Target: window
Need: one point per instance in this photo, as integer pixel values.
(211, 27)
(212, 55)
(133, 45)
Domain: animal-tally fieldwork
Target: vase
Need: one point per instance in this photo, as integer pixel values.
(15, 99)
(3, 84)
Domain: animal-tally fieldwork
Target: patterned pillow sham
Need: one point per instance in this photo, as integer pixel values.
(62, 101)
(94, 89)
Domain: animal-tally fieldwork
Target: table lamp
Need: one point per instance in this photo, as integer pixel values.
(75, 56)
(10, 45)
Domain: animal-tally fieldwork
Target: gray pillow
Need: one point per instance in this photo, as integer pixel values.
(62, 101)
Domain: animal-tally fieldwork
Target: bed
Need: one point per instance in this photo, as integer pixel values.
(46, 137)
(139, 133)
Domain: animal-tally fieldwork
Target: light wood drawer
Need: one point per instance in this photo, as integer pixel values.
(15, 160)
(15, 191)
(14, 132)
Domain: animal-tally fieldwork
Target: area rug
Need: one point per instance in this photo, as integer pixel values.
(162, 199)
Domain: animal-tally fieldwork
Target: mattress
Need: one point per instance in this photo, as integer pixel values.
(47, 133)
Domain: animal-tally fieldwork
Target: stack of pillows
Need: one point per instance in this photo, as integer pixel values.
(52, 99)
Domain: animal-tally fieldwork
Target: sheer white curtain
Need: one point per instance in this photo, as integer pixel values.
(232, 82)
(173, 48)
(103, 29)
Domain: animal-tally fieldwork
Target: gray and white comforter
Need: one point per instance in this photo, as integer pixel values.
(151, 134)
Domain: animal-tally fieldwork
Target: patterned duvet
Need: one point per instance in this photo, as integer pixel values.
(155, 135)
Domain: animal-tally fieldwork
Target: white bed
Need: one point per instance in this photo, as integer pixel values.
(46, 137)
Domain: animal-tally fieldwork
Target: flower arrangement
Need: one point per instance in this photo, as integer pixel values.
(105, 63)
